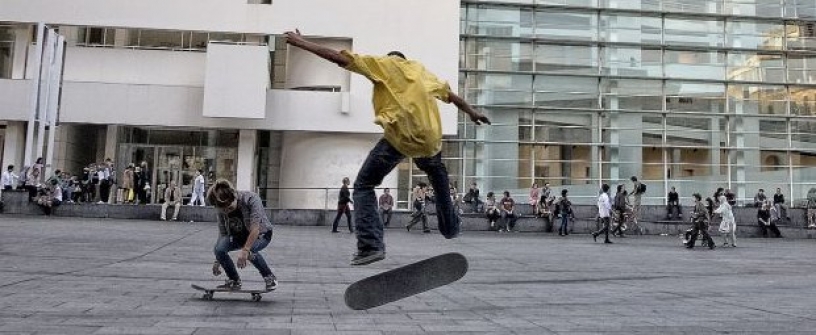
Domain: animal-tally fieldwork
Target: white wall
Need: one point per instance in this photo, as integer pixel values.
(14, 99)
(321, 160)
(237, 81)
(305, 69)
(425, 30)
(125, 66)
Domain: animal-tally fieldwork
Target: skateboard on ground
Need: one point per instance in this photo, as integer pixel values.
(405, 281)
(208, 292)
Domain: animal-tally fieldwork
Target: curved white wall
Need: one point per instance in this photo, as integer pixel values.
(321, 160)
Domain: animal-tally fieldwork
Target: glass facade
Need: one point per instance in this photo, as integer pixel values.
(695, 94)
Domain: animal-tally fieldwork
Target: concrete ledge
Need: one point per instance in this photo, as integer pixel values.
(652, 217)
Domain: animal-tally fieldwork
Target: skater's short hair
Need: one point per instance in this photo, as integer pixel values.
(221, 194)
(397, 53)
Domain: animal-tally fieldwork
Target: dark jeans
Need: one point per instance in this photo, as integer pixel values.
(225, 244)
(670, 210)
(700, 228)
(772, 227)
(386, 216)
(342, 209)
(380, 161)
(510, 219)
(605, 228)
(564, 228)
(418, 215)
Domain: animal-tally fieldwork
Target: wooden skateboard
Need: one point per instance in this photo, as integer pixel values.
(405, 281)
(208, 292)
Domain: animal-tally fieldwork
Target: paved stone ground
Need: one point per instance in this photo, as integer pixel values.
(85, 276)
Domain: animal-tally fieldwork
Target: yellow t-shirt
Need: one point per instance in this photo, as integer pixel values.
(404, 102)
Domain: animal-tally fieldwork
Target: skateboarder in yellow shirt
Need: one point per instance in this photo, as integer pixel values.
(404, 105)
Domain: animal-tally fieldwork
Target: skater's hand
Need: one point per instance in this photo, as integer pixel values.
(242, 258)
(292, 37)
(479, 118)
(216, 269)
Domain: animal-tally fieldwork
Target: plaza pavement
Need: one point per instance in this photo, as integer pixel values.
(94, 276)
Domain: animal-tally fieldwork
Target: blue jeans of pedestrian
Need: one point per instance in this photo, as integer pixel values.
(564, 224)
(382, 159)
(225, 244)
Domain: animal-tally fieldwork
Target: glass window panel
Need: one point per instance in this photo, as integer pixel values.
(500, 89)
(799, 9)
(567, 92)
(695, 97)
(498, 21)
(630, 28)
(158, 38)
(651, 5)
(757, 99)
(695, 64)
(632, 94)
(801, 35)
(744, 66)
(766, 8)
(755, 35)
(803, 134)
(801, 69)
(499, 55)
(564, 164)
(803, 100)
(692, 6)
(6, 60)
(566, 59)
(576, 3)
(563, 127)
(226, 37)
(695, 32)
(566, 25)
(627, 61)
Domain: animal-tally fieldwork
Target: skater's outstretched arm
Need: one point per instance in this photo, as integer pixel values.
(465, 107)
(334, 56)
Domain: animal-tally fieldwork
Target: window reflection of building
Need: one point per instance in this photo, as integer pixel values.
(687, 100)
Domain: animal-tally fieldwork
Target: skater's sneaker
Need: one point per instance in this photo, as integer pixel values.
(367, 257)
(271, 283)
(230, 285)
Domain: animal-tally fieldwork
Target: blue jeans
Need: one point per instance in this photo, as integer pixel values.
(226, 244)
(564, 224)
(380, 161)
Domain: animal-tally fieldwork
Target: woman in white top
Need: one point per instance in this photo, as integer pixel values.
(728, 226)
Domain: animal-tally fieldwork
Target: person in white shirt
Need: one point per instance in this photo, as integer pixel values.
(604, 209)
(9, 178)
(198, 189)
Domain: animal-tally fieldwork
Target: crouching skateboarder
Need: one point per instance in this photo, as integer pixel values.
(242, 224)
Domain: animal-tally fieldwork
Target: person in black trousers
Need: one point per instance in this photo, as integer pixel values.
(343, 202)
(765, 222)
(700, 218)
(673, 202)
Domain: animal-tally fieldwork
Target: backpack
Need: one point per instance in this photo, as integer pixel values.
(642, 188)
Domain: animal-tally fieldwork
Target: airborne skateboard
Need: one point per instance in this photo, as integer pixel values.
(208, 292)
(403, 282)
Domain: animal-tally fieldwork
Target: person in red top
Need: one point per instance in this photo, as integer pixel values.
(386, 203)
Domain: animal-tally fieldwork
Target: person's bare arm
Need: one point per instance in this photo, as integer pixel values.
(334, 56)
(465, 107)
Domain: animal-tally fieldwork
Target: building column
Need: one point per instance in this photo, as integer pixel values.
(111, 141)
(14, 144)
(247, 143)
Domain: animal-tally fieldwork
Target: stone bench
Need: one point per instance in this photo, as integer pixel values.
(652, 217)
